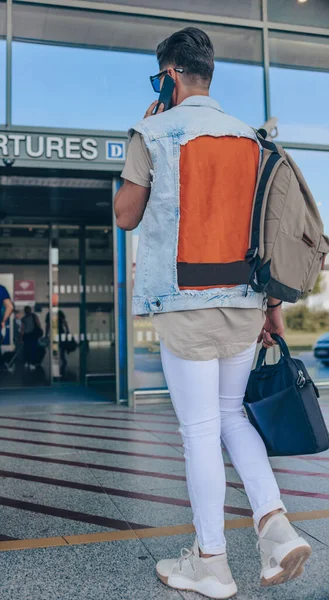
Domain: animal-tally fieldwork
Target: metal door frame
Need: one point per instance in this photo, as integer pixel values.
(82, 302)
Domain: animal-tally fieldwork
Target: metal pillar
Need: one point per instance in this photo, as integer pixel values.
(9, 62)
(120, 305)
(82, 308)
(266, 61)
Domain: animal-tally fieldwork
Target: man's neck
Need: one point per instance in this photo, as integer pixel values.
(192, 92)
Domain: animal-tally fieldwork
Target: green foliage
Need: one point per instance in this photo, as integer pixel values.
(301, 318)
(318, 288)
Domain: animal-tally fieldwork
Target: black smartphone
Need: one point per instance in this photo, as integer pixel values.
(166, 93)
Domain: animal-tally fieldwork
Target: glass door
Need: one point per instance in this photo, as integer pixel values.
(99, 317)
(64, 322)
(60, 279)
(82, 326)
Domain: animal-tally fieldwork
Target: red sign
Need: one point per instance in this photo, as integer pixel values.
(24, 290)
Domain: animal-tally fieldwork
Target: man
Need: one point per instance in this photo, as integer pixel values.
(30, 333)
(63, 331)
(6, 309)
(190, 176)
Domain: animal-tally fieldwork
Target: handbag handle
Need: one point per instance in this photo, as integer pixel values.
(283, 349)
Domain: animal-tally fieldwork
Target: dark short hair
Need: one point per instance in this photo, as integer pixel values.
(190, 48)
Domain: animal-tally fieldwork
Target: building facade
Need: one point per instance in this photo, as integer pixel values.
(74, 76)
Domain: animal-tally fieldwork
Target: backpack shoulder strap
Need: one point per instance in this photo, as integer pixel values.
(266, 172)
(252, 256)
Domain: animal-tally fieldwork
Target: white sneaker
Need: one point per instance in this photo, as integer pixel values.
(283, 552)
(211, 577)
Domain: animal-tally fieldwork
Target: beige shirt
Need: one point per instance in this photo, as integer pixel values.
(195, 334)
(138, 163)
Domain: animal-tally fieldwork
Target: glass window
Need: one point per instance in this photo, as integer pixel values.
(3, 20)
(77, 88)
(229, 79)
(125, 32)
(2, 81)
(101, 89)
(3, 23)
(299, 86)
(2, 62)
(148, 373)
(221, 8)
(100, 322)
(312, 14)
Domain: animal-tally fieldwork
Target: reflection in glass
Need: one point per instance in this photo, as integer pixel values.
(87, 88)
(80, 88)
(299, 86)
(311, 14)
(3, 18)
(64, 319)
(224, 8)
(239, 90)
(148, 373)
(300, 100)
(2, 80)
(129, 32)
(100, 322)
(24, 273)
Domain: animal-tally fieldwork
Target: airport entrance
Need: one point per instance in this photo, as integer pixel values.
(57, 264)
(62, 261)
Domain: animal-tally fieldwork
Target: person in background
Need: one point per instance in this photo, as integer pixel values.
(30, 333)
(6, 309)
(17, 326)
(63, 331)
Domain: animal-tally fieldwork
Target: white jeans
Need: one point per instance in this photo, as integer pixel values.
(207, 397)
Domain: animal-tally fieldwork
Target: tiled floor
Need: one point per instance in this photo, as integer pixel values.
(85, 468)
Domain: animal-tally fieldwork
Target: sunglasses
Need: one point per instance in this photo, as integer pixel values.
(156, 79)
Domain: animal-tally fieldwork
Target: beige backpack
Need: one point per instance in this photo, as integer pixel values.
(287, 245)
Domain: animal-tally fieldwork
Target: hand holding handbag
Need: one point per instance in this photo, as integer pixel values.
(281, 402)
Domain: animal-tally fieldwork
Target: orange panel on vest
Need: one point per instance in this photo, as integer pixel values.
(217, 183)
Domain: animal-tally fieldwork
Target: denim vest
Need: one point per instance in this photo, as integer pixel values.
(156, 288)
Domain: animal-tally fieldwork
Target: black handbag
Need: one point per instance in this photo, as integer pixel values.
(69, 345)
(281, 402)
